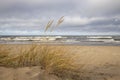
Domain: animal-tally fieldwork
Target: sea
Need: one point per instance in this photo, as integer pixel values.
(94, 40)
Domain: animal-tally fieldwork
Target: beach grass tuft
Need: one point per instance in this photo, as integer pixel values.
(54, 60)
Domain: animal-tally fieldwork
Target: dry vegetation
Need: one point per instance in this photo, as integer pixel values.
(49, 24)
(54, 60)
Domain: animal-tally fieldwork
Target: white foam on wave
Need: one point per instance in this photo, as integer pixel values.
(101, 37)
(101, 40)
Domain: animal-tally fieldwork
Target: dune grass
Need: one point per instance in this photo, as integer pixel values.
(54, 60)
(49, 24)
(4, 54)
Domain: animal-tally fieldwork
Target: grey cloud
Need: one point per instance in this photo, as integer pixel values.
(92, 8)
(108, 21)
(100, 16)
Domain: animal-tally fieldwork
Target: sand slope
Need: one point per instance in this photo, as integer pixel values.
(26, 73)
(100, 63)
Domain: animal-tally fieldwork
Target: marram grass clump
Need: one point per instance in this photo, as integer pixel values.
(54, 60)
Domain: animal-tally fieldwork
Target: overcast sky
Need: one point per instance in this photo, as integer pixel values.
(81, 17)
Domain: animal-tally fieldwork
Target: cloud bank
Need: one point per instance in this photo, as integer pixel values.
(82, 17)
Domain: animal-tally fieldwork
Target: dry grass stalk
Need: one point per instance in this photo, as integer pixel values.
(49, 24)
(58, 23)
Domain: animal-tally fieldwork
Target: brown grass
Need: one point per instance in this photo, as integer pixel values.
(54, 60)
(4, 54)
(49, 24)
(60, 21)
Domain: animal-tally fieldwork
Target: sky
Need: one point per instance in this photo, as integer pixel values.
(81, 17)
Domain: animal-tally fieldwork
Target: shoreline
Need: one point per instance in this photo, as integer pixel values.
(62, 44)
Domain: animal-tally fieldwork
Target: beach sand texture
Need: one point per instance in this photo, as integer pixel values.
(100, 63)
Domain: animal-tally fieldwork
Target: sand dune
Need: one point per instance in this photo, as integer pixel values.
(100, 63)
(26, 73)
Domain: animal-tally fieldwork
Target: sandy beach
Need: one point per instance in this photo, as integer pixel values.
(100, 63)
